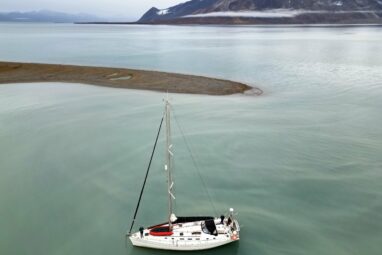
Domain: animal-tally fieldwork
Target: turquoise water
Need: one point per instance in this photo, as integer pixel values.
(301, 164)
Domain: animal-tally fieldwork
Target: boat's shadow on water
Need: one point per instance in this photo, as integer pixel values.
(232, 248)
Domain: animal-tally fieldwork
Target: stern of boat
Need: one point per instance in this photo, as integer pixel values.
(233, 225)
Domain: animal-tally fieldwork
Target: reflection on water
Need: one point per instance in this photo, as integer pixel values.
(300, 164)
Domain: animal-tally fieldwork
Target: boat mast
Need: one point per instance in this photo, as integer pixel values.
(168, 166)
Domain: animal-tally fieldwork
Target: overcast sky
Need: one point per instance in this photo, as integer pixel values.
(125, 8)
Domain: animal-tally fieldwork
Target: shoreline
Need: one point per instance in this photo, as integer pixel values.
(234, 25)
(372, 17)
(18, 72)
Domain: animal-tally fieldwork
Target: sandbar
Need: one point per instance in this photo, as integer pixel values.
(16, 72)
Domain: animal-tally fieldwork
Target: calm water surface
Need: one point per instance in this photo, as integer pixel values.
(301, 164)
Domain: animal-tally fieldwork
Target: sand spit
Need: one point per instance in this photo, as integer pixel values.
(13, 72)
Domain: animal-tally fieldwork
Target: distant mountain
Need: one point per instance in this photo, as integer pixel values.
(46, 16)
(268, 11)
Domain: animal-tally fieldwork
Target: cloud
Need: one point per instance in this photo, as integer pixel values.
(131, 9)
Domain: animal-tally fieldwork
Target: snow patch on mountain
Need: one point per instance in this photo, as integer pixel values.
(163, 12)
(338, 3)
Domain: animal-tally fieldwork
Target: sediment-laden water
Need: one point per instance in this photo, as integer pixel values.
(301, 164)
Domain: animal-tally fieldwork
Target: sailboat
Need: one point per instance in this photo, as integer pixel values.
(188, 233)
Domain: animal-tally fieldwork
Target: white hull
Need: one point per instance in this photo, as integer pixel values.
(188, 237)
(179, 245)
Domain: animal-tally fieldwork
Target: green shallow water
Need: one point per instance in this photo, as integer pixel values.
(301, 164)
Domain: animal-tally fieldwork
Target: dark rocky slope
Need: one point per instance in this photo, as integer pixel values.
(316, 11)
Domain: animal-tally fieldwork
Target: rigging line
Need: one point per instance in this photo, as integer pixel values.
(194, 162)
(147, 172)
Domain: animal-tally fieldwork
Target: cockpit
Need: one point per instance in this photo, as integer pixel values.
(209, 227)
